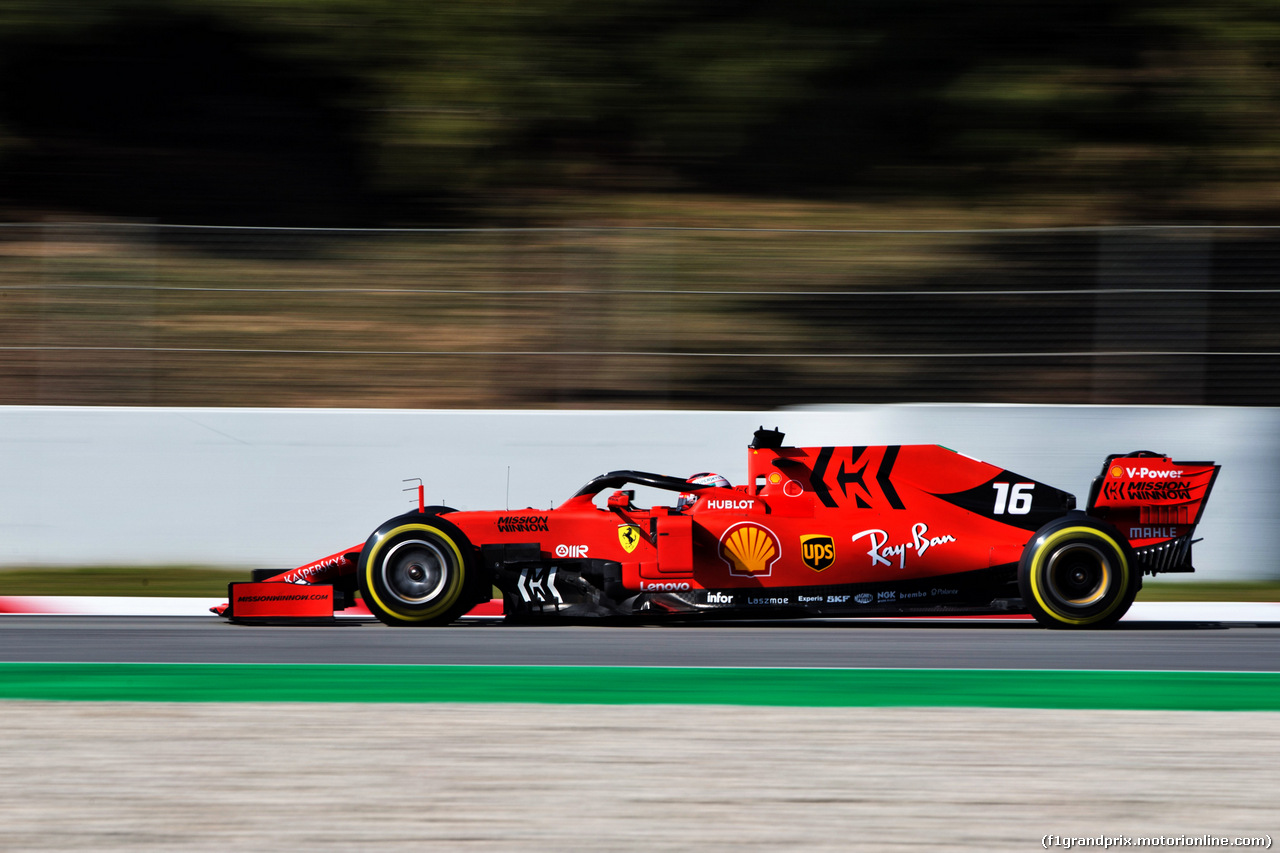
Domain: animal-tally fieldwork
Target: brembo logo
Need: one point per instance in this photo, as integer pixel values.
(731, 504)
(522, 523)
(575, 551)
(664, 586)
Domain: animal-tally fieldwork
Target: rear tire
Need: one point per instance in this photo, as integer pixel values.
(417, 571)
(1078, 572)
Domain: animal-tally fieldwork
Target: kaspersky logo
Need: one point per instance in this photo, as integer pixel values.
(750, 549)
(817, 551)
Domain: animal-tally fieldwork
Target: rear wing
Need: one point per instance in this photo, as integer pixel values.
(1155, 503)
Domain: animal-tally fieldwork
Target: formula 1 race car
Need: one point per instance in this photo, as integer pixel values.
(816, 531)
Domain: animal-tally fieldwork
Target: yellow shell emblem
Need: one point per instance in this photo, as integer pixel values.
(749, 549)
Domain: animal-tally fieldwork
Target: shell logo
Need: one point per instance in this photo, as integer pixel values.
(749, 549)
(1116, 472)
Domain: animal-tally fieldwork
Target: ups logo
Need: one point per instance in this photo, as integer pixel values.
(818, 552)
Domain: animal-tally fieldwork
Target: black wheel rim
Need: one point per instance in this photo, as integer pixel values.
(1079, 575)
(415, 572)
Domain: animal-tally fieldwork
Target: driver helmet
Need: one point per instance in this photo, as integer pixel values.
(706, 478)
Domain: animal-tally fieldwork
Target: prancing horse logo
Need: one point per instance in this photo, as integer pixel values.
(629, 536)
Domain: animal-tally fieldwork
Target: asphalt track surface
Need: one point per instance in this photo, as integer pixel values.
(1211, 647)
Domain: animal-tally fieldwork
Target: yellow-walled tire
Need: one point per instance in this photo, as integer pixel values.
(417, 570)
(1078, 572)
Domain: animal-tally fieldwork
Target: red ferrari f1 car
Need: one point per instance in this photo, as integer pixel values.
(816, 531)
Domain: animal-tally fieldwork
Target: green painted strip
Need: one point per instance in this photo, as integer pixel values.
(133, 682)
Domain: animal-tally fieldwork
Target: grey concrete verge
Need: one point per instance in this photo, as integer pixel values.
(83, 776)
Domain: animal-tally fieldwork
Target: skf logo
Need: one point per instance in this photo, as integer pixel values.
(749, 549)
(628, 536)
(817, 551)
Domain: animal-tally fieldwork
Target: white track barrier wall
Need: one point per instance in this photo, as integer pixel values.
(279, 487)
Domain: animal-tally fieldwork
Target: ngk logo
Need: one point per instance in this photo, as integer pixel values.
(578, 552)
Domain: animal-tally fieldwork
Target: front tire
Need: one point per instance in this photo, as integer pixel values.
(417, 571)
(1078, 572)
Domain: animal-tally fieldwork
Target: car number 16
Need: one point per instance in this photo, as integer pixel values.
(1017, 499)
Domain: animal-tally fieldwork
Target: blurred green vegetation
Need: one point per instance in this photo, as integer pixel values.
(99, 313)
(337, 112)
(921, 114)
(1199, 590)
(158, 581)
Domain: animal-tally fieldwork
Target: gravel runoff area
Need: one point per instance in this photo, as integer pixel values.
(169, 776)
